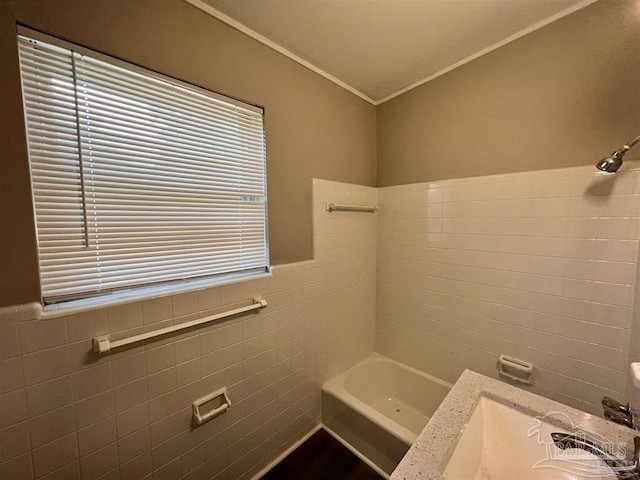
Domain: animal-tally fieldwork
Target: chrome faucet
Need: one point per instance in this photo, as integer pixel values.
(617, 412)
(622, 469)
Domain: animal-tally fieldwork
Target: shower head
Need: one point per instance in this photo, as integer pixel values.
(612, 163)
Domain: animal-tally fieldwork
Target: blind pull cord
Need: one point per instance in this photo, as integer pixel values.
(80, 154)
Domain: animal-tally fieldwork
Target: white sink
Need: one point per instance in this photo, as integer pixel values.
(502, 443)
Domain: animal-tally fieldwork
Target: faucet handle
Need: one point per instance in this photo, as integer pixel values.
(636, 454)
(618, 417)
(609, 403)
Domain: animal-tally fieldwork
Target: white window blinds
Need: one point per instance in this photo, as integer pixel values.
(137, 179)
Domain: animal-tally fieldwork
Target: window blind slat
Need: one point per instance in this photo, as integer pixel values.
(140, 86)
(111, 141)
(109, 104)
(149, 158)
(137, 180)
(113, 271)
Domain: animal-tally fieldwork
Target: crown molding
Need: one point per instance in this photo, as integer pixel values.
(491, 48)
(223, 17)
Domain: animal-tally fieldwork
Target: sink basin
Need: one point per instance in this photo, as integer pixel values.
(500, 442)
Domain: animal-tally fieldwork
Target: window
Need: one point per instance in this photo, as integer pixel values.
(139, 180)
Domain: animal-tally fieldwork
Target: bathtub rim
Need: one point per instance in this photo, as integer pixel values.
(335, 388)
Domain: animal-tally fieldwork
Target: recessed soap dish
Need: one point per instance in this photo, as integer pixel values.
(515, 369)
(220, 402)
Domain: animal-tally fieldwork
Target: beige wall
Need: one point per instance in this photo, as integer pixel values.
(314, 128)
(564, 95)
(19, 281)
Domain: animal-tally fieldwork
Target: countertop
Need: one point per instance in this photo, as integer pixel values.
(430, 453)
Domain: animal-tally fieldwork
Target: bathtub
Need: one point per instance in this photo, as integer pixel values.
(378, 407)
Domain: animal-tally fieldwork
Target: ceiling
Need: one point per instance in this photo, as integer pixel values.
(380, 48)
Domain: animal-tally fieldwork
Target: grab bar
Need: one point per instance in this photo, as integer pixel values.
(103, 343)
(342, 207)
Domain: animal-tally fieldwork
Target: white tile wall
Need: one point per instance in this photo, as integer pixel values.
(64, 413)
(537, 265)
(345, 248)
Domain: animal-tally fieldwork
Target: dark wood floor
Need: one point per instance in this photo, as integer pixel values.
(321, 457)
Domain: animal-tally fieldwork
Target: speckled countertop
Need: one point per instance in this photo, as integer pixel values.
(430, 453)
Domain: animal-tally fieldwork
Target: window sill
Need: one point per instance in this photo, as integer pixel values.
(140, 294)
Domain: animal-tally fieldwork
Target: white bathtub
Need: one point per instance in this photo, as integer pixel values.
(379, 406)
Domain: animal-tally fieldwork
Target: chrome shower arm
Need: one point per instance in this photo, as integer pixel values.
(627, 146)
